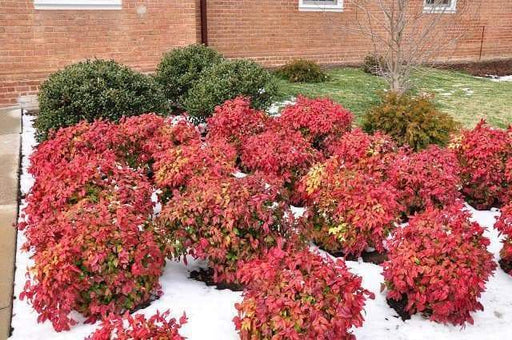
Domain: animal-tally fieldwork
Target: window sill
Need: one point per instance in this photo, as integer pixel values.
(77, 5)
(320, 9)
(430, 10)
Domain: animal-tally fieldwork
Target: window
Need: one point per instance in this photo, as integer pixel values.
(321, 5)
(440, 6)
(77, 4)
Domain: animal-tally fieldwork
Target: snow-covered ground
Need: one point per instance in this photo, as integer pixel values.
(210, 311)
(500, 79)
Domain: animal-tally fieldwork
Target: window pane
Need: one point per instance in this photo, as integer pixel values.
(438, 2)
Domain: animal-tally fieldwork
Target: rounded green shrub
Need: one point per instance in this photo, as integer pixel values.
(95, 89)
(302, 71)
(374, 64)
(410, 120)
(180, 69)
(229, 80)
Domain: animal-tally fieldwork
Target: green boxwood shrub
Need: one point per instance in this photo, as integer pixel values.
(374, 64)
(302, 71)
(95, 89)
(180, 69)
(226, 81)
(412, 121)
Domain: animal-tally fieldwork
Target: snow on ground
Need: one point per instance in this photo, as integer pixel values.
(276, 108)
(500, 79)
(210, 311)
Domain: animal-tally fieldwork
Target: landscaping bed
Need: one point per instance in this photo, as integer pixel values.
(236, 222)
(210, 311)
(497, 68)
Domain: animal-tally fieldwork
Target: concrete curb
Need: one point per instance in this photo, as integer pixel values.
(10, 145)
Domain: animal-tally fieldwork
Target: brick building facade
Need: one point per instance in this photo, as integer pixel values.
(38, 37)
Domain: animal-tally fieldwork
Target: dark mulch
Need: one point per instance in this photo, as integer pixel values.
(482, 69)
(506, 266)
(369, 257)
(374, 257)
(399, 307)
(145, 304)
(206, 276)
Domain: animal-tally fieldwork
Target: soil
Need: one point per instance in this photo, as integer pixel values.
(206, 276)
(374, 257)
(506, 266)
(369, 257)
(145, 304)
(482, 69)
(399, 307)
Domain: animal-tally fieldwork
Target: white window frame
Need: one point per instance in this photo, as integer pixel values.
(78, 4)
(440, 8)
(337, 6)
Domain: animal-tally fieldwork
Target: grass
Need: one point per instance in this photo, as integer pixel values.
(468, 99)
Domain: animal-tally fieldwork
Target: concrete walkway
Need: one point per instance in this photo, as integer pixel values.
(10, 130)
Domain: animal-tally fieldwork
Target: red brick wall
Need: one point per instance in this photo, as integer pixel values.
(274, 31)
(34, 43)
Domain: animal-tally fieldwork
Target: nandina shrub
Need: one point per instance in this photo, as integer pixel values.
(136, 141)
(426, 178)
(438, 265)
(177, 166)
(317, 120)
(278, 152)
(483, 153)
(299, 295)
(84, 179)
(504, 226)
(141, 139)
(223, 220)
(108, 263)
(360, 150)
(137, 327)
(348, 210)
(82, 139)
(235, 120)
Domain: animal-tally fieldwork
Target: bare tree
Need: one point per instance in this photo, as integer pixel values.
(408, 33)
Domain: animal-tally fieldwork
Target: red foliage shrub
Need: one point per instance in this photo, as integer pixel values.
(141, 139)
(177, 166)
(108, 263)
(277, 152)
(87, 178)
(504, 226)
(72, 142)
(359, 150)
(483, 153)
(135, 141)
(426, 178)
(317, 119)
(299, 295)
(235, 120)
(223, 220)
(439, 264)
(348, 210)
(158, 327)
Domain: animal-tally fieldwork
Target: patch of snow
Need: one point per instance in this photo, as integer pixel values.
(500, 79)
(210, 311)
(276, 107)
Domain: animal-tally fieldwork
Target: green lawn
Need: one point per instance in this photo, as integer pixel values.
(466, 98)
